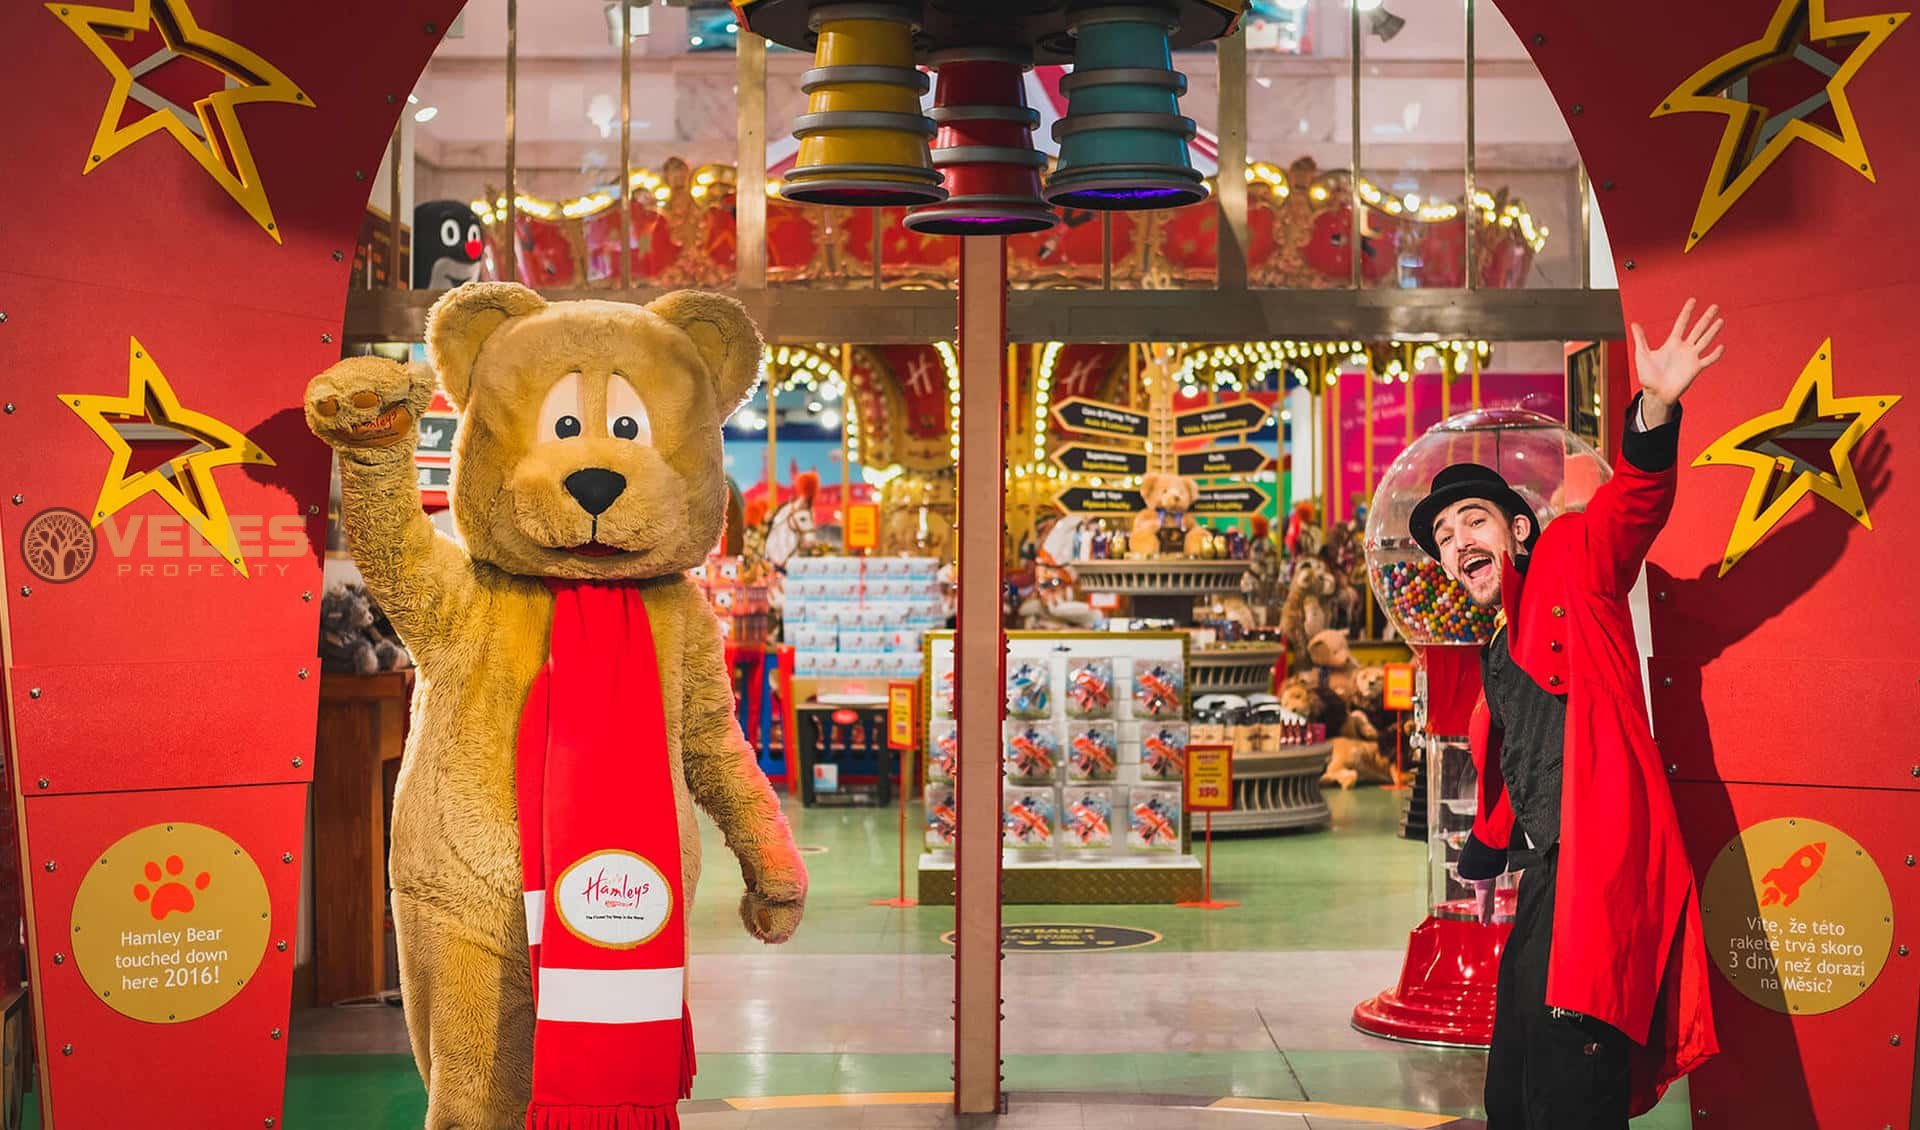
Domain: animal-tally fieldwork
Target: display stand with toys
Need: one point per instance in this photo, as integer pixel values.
(1094, 755)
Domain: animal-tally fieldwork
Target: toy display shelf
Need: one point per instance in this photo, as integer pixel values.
(1233, 668)
(1075, 880)
(1159, 576)
(1278, 790)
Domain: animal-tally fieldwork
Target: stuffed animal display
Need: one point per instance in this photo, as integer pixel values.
(1308, 608)
(355, 636)
(573, 703)
(1164, 526)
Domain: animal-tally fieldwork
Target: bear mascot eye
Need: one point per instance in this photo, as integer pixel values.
(566, 427)
(626, 415)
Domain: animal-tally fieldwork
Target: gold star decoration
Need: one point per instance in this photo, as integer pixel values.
(211, 132)
(150, 413)
(1803, 447)
(1756, 135)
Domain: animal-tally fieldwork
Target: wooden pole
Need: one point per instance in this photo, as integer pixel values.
(750, 163)
(626, 145)
(512, 248)
(846, 464)
(980, 644)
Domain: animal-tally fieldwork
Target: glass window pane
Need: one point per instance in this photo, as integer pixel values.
(458, 152)
(1527, 166)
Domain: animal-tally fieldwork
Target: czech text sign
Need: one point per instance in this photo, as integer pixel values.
(1082, 415)
(1101, 460)
(1220, 419)
(1237, 460)
(1229, 500)
(1210, 778)
(1101, 500)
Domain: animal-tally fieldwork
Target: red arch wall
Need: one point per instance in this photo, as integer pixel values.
(1786, 687)
(148, 689)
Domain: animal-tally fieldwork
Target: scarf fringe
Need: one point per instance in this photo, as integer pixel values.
(687, 1065)
(624, 1117)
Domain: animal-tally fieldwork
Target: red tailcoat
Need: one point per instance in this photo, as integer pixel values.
(1626, 922)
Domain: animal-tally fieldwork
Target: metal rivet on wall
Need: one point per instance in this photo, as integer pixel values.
(286, 857)
(26, 590)
(275, 1034)
(44, 783)
(59, 959)
(281, 945)
(298, 762)
(338, 255)
(326, 339)
(18, 499)
(66, 1049)
(1629, 264)
(33, 692)
(302, 672)
(52, 866)
(1606, 186)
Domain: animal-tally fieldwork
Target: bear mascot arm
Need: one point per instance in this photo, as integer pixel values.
(722, 770)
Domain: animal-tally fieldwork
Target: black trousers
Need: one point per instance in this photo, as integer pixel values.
(1548, 1069)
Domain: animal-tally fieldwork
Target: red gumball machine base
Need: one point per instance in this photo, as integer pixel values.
(1446, 989)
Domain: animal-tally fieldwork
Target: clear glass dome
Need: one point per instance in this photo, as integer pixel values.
(1553, 469)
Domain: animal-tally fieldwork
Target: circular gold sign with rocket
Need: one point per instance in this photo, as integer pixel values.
(1797, 915)
(170, 922)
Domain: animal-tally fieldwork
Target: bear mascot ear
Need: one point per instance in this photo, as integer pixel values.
(725, 338)
(460, 323)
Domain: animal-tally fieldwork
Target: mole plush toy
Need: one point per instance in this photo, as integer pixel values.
(447, 247)
(572, 701)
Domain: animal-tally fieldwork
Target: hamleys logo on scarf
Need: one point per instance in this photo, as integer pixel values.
(613, 899)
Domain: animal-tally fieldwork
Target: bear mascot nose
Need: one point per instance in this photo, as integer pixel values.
(595, 488)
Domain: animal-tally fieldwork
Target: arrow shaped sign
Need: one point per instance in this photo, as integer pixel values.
(1229, 500)
(1220, 419)
(1239, 460)
(1101, 460)
(1101, 500)
(1079, 414)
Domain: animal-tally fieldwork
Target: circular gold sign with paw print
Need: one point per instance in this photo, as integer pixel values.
(170, 922)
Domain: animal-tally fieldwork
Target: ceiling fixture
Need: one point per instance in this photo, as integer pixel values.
(426, 114)
(1385, 24)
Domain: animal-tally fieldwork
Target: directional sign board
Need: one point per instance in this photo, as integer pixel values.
(1220, 419)
(1101, 460)
(1229, 500)
(1238, 460)
(1101, 500)
(1079, 414)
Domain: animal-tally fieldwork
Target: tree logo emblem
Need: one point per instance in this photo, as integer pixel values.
(58, 545)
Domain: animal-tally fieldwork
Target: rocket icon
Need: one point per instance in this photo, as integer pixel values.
(1783, 883)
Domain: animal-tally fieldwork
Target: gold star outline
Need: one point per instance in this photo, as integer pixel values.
(214, 137)
(1754, 138)
(1772, 447)
(185, 482)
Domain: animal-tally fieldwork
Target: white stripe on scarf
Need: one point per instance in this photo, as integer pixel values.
(536, 916)
(611, 996)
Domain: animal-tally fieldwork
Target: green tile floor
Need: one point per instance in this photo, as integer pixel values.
(1355, 888)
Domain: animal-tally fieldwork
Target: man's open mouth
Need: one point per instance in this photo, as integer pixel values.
(1475, 565)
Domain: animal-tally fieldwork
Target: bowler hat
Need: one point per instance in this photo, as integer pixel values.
(1467, 480)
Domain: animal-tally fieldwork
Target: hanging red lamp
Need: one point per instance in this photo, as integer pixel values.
(983, 146)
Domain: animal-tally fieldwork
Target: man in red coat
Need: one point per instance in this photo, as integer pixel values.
(1602, 997)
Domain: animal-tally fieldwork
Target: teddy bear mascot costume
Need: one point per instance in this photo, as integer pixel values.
(572, 702)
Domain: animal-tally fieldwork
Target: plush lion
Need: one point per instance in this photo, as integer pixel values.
(589, 462)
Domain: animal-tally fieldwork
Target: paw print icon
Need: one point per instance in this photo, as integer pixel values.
(165, 891)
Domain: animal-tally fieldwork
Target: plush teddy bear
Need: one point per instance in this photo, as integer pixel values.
(1162, 528)
(573, 703)
(1333, 663)
(1307, 611)
(355, 637)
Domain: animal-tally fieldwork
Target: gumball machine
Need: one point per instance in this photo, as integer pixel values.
(1445, 994)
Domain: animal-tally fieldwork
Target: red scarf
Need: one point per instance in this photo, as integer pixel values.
(600, 855)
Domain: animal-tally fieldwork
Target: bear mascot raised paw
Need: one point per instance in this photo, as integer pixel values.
(572, 702)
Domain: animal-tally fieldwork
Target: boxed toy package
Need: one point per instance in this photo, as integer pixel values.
(1163, 751)
(1031, 752)
(1086, 821)
(1153, 819)
(1159, 689)
(943, 821)
(1090, 688)
(1029, 689)
(1093, 751)
(1027, 819)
